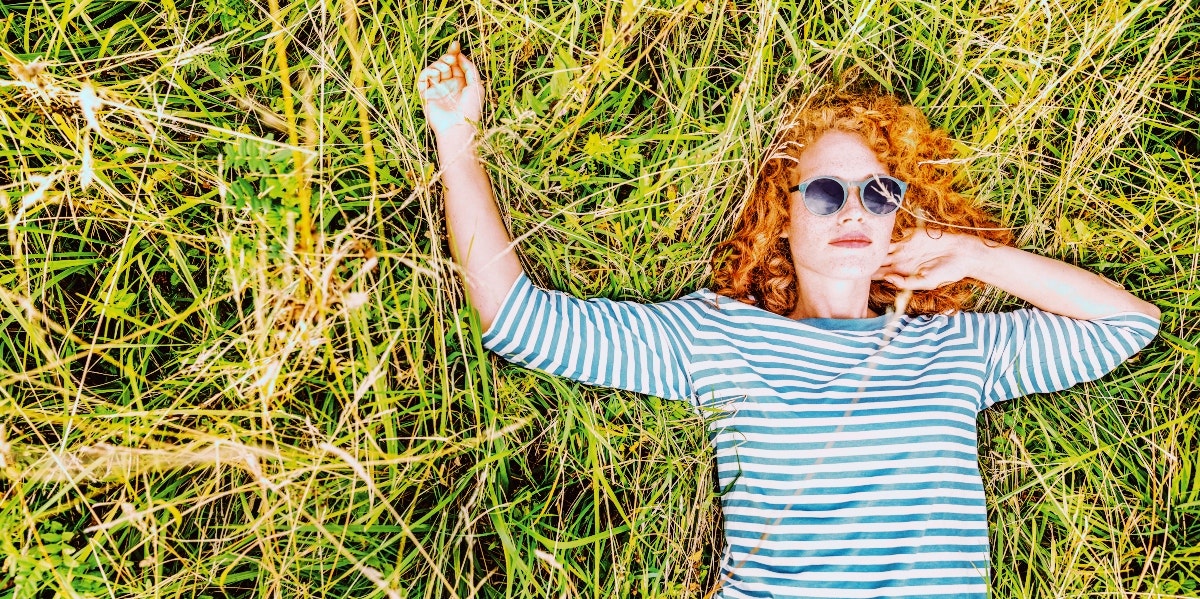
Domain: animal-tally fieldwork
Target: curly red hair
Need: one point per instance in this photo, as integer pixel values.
(755, 265)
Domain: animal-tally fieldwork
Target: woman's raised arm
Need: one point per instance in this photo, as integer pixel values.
(625, 345)
(452, 95)
(924, 262)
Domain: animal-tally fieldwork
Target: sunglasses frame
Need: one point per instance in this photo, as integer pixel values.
(846, 185)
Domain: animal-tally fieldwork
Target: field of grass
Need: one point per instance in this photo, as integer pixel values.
(235, 360)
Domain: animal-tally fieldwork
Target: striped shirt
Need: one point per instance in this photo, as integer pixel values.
(846, 449)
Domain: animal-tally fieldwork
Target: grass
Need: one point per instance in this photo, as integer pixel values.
(236, 360)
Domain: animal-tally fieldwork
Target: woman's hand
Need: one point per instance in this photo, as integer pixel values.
(928, 260)
(451, 91)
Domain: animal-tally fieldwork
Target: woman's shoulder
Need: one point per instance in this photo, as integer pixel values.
(702, 303)
(722, 306)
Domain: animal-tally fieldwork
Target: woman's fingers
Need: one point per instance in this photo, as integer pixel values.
(452, 64)
(469, 71)
(440, 73)
(916, 282)
(434, 85)
(427, 82)
(450, 86)
(429, 79)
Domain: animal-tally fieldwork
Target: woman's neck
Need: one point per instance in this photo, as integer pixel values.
(822, 297)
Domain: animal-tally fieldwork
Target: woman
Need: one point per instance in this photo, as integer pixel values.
(846, 440)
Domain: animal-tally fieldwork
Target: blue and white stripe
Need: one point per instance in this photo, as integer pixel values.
(849, 463)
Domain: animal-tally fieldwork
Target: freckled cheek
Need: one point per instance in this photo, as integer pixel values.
(799, 225)
(884, 232)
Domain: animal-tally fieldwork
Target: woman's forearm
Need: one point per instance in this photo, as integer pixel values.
(478, 240)
(1053, 285)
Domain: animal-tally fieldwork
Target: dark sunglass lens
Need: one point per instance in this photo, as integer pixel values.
(882, 196)
(824, 196)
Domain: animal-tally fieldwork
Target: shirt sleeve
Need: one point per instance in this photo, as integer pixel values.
(642, 348)
(1032, 351)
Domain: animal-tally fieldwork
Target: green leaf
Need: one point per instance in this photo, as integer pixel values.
(118, 304)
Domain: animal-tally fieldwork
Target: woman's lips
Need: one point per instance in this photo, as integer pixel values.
(852, 241)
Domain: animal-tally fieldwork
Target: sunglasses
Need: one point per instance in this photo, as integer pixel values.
(881, 195)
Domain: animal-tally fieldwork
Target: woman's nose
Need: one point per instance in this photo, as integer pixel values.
(852, 208)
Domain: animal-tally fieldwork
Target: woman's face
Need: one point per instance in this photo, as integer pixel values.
(851, 243)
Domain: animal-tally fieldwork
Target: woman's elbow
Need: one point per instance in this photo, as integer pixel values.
(1150, 310)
